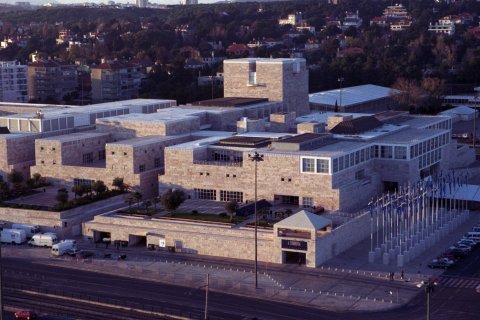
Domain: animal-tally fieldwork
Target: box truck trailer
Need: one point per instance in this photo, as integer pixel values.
(14, 236)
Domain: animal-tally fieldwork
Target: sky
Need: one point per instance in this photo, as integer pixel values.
(36, 2)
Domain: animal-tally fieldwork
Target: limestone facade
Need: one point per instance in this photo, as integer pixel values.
(284, 80)
(138, 161)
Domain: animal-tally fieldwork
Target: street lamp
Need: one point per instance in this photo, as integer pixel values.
(475, 101)
(429, 287)
(1, 285)
(340, 80)
(256, 157)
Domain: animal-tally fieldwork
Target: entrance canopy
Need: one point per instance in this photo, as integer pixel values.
(304, 220)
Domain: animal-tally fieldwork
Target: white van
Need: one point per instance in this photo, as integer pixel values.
(14, 236)
(62, 247)
(43, 240)
(30, 229)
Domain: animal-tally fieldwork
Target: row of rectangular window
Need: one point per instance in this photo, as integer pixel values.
(211, 194)
(315, 165)
(430, 158)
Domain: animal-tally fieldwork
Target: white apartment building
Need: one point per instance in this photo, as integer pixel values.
(13, 82)
(442, 27)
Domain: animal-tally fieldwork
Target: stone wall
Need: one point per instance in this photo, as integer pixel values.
(66, 223)
(277, 80)
(194, 237)
(342, 238)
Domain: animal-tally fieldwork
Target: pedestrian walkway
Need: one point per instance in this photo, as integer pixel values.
(458, 282)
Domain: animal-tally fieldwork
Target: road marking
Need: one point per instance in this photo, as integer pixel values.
(103, 304)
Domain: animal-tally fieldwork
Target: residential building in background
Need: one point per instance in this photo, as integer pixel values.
(142, 3)
(13, 82)
(51, 80)
(188, 2)
(115, 80)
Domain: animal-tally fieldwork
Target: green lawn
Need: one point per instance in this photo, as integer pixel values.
(205, 217)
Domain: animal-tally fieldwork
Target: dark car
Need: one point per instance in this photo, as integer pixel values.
(84, 254)
(73, 252)
(441, 264)
(25, 314)
(457, 253)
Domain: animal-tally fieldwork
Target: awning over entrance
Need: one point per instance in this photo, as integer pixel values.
(304, 220)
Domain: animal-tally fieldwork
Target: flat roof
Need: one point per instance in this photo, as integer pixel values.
(244, 142)
(229, 102)
(323, 116)
(142, 141)
(335, 149)
(304, 137)
(409, 136)
(350, 96)
(92, 108)
(75, 136)
(418, 121)
(162, 116)
(264, 60)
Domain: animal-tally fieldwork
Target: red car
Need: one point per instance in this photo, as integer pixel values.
(25, 314)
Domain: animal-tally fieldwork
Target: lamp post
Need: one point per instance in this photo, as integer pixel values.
(429, 287)
(475, 97)
(256, 157)
(1, 285)
(340, 80)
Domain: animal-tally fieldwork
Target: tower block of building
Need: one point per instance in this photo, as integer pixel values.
(283, 80)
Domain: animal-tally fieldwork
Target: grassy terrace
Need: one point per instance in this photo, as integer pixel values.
(205, 217)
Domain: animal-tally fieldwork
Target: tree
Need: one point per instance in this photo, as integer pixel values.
(147, 204)
(231, 207)
(80, 190)
(119, 184)
(62, 196)
(137, 196)
(99, 187)
(410, 93)
(15, 177)
(172, 199)
(4, 190)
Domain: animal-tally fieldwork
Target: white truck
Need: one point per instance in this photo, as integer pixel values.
(59, 249)
(13, 236)
(30, 229)
(43, 240)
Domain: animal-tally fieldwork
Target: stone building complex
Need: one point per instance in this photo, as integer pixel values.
(311, 159)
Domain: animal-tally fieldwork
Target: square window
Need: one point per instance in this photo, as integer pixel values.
(283, 179)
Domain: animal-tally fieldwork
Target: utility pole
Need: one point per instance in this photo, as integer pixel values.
(256, 158)
(206, 296)
(340, 80)
(1, 285)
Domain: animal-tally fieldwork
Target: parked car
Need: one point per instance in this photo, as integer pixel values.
(444, 259)
(438, 264)
(462, 247)
(467, 242)
(478, 288)
(25, 314)
(84, 254)
(73, 252)
(458, 253)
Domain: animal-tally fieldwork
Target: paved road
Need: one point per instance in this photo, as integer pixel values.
(447, 302)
